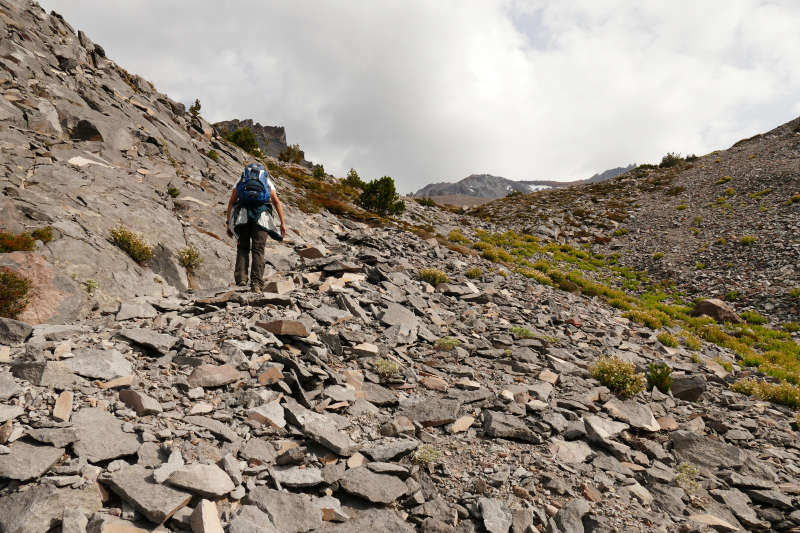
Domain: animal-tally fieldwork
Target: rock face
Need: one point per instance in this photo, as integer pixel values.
(718, 310)
(101, 436)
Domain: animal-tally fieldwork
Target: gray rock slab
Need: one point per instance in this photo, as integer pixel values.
(99, 364)
(330, 315)
(41, 507)
(377, 488)
(130, 310)
(295, 477)
(696, 448)
(13, 331)
(322, 429)
(100, 436)
(389, 450)
(378, 520)
(140, 402)
(54, 374)
(58, 437)
(291, 513)
(10, 412)
(251, 519)
(397, 314)
(377, 395)
(165, 470)
(259, 450)
(433, 412)
(667, 499)
(28, 460)
(8, 387)
(688, 387)
(633, 413)
(599, 429)
(214, 426)
(135, 485)
(496, 516)
(149, 339)
(207, 480)
(569, 517)
(507, 427)
(57, 332)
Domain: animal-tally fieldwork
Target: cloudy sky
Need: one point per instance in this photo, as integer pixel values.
(434, 90)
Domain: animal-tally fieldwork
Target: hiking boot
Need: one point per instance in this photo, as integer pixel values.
(257, 287)
(242, 284)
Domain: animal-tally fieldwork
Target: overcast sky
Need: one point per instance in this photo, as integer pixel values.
(428, 91)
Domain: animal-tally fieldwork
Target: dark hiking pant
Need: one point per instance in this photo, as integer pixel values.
(252, 238)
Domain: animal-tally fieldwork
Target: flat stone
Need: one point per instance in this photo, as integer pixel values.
(688, 387)
(259, 450)
(290, 513)
(717, 523)
(377, 395)
(633, 413)
(251, 519)
(774, 498)
(569, 518)
(507, 427)
(13, 331)
(641, 494)
(149, 339)
(668, 499)
(365, 349)
(58, 437)
(100, 436)
(130, 310)
(270, 376)
(205, 519)
(397, 314)
(135, 485)
(312, 252)
(62, 411)
(173, 464)
(28, 460)
(377, 488)
(140, 402)
(320, 428)
(214, 426)
(296, 477)
(496, 516)
(330, 315)
(207, 480)
(667, 423)
(462, 424)
(433, 412)
(279, 287)
(384, 451)
(434, 383)
(41, 507)
(600, 429)
(54, 374)
(571, 452)
(285, 327)
(10, 412)
(331, 509)
(99, 364)
(696, 448)
(270, 414)
(213, 376)
(57, 332)
(8, 387)
(549, 377)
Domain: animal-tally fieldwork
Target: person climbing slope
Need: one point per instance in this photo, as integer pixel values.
(250, 219)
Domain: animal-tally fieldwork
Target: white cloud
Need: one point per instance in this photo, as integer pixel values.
(434, 91)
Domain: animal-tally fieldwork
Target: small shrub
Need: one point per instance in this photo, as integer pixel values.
(721, 241)
(381, 198)
(723, 180)
(718, 160)
(779, 393)
(212, 154)
(90, 285)
(386, 369)
(245, 139)
(190, 258)
(434, 276)
(697, 221)
(15, 243)
(194, 109)
(13, 293)
(621, 231)
(753, 318)
(691, 158)
(671, 160)
(43, 234)
(537, 276)
(692, 342)
(502, 255)
(568, 286)
(667, 340)
(291, 154)
(694, 358)
(489, 254)
(791, 327)
(173, 192)
(473, 273)
(522, 333)
(619, 303)
(794, 199)
(658, 255)
(700, 266)
(619, 376)
(132, 244)
(424, 456)
(319, 172)
(682, 207)
(794, 293)
(731, 296)
(426, 202)
(445, 344)
(747, 240)
(686, 477)
(660, 377)
(724, 364)
(481, 246)
(696, 231)
(457, 236)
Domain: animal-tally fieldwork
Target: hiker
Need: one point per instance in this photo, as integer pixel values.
(250, 218)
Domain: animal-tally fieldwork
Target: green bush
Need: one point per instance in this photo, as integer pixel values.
(619, 376)
(424, 456)
(660, 377)
(90, 285)
(731, 296)
(425, 202)
(13, 293)
(457, 236)
(434, 276)
(381, 198)
(779, 393)
(682, 207)
(386, 368)
(747, 240)
(667, 340)
(691, 158)
(353, 180)
(15, 243)
(319, 173)
(721, 241)
(753, 318)
(700, 266)
(686, 478)
(794, 199)
(473, 273)
(212, 154)
(723, 180)
(791, 327)
(445, 344)
(794, 293)
(671, 160)
(621, 231)
(194, 109)
(190, 258)
(697, 221)
(132, 244)
(292, 154)
(245, 139)
(43, 234)
(658, 255)
(522, 333)
(173, 192)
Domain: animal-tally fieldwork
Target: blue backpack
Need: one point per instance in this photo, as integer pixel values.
(253, 190)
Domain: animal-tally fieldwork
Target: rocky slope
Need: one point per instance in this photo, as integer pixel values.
(271, 139)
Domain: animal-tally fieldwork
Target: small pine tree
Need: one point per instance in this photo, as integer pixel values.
(319, 172)
(245, 139)
(194, 109)
(353, 180)
(291, 154)
(380, 197)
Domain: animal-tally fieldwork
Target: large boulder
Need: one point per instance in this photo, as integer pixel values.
(718, 310)
(54, 297)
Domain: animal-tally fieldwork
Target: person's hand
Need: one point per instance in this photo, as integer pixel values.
(283, 230)
(229, 233)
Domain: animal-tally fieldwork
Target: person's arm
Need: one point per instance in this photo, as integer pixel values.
(234, 197)
(277, 203)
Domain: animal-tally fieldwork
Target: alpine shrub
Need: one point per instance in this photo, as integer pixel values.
(194, 109)
(779, 393)
(43, 234)
(173, 192)
(660, 377)
(434, 276)
(319, 173)
(671, 160)
(747, 240)
(753, 318)
(353, 180)
(522, 333)
(13, 293)
(424, 456)
(132, 244)
(667, 340)
(386, 368)
(619, 376)
(473, 273)
(445, 344)
(190, 258)
(292, 154)
(381, 198)
(425, 202)
(245, 139)
(212, 154)
(15, 243)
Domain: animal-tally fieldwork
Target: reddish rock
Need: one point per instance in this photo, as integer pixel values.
(54, 297)
(667, 423)
(285, 327)
(213, 376)
(312, 252)
(63, 408)
(434, 383)
(271, 376)
(718, 310)
(591, 493)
